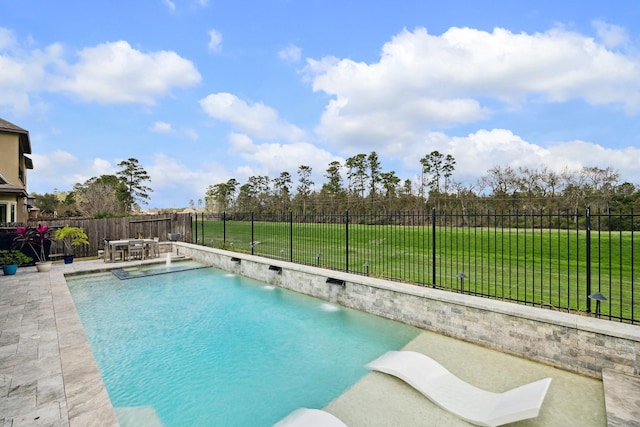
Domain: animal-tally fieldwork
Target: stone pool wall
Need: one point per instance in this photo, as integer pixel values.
(573, 342)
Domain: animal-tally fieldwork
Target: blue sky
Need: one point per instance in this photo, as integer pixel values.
(201, 91)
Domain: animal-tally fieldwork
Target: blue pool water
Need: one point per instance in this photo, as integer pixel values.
(207, 348)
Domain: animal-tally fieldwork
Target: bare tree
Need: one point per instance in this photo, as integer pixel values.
(602, 183)
(97, 199)
(503, 183)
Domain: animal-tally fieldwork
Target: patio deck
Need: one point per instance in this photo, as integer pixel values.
(48, 375)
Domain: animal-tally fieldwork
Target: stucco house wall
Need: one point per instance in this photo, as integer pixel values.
(15, 147)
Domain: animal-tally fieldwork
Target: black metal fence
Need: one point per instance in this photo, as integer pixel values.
(571, 261)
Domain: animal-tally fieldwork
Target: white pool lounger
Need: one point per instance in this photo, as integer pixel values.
(305, 417)
(477, 406)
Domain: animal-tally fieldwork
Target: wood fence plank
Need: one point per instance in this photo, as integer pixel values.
(121, 228)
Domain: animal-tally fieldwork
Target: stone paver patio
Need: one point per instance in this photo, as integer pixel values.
(48, 375)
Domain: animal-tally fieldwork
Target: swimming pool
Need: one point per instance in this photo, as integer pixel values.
(205, 347)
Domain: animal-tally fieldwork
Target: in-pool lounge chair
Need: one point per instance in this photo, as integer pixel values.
(477, 406)
(305, 417)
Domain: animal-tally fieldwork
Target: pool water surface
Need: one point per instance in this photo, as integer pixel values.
(204, 347)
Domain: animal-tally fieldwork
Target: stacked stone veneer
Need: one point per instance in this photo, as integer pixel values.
(577, 343)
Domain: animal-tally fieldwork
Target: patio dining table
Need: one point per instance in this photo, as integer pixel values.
(122, 245)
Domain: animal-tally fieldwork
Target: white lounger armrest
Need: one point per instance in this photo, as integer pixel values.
(468, 402)
(305, 417)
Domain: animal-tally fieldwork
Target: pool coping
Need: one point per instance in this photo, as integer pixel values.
(88, 401)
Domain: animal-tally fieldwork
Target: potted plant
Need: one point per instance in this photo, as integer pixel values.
(36, 239)
(10, 259)
(71, 237)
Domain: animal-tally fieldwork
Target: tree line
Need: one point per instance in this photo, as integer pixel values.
(361, 185)
(102, 196)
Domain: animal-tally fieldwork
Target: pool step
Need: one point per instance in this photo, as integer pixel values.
(621, 398)
(138, 416)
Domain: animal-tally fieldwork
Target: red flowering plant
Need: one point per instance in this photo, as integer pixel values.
(34, 238)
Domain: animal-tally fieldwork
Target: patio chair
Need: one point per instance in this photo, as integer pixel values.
(152, 248)
(136, 249)
(107, 251)
(305, 417)
(477, 406)
(118, 252)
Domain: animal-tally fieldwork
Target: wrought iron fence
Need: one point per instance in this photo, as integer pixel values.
(571, 261)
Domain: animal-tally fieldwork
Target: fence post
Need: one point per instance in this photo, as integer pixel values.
(224, 228)
(252, 238)
(346, 241)
(202, 225)
(290, 236)
(433, 247)
(588, 260)
(196, 228)
(190, 228)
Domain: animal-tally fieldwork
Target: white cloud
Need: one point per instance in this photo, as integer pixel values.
(117, 73)
(423, 81)
(241, 143)
(169, 175)
(167, 128)
(106, 73)
(611, 35)
(7, 38)
(254, 119)
(24, 73)
(475, 153)
(48, 163)
(272, 158)
(584, 153)
(102, 167)
(190, 134)
(464, 62)
(89, 169)
(64, 169)
(291, 53)
(478, 152)
(161, 127)
(383, 127)
(171, 5)
(215, 41)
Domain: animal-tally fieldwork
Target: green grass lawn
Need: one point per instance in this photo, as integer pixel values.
(540, 267)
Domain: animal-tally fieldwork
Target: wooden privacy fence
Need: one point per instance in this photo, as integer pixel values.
(121, 228)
